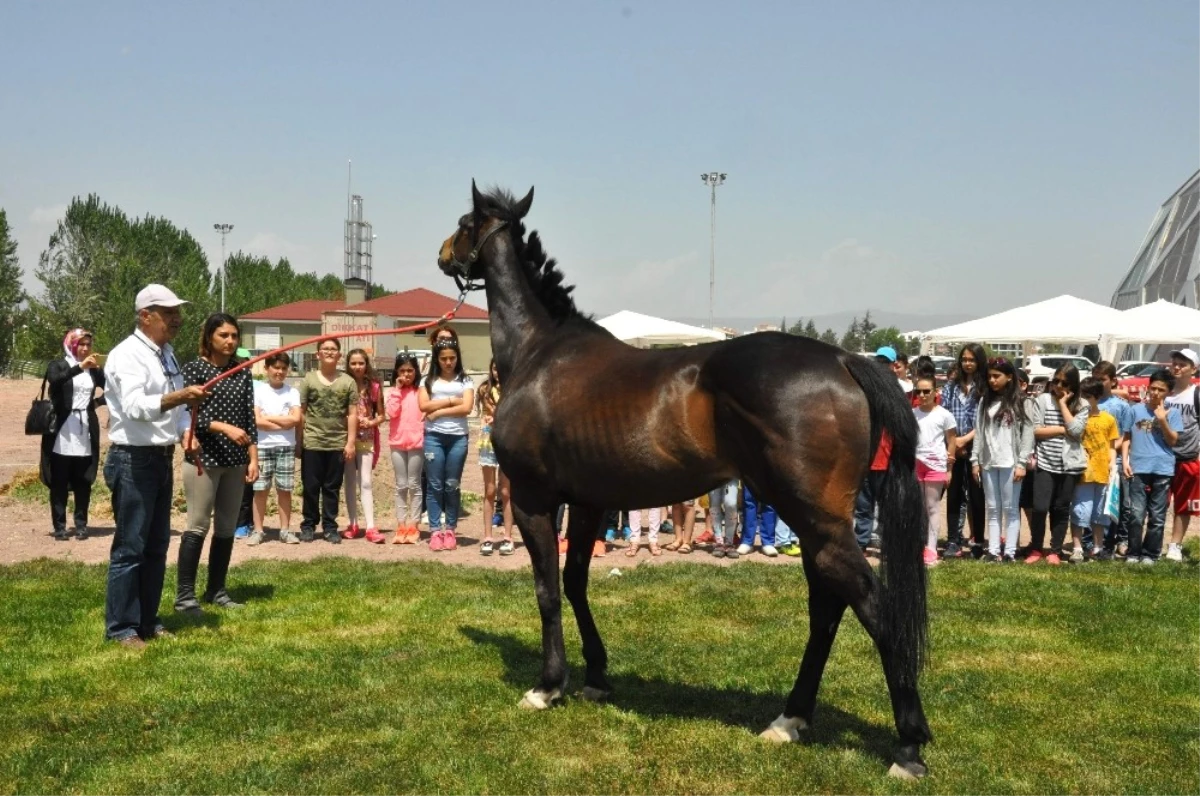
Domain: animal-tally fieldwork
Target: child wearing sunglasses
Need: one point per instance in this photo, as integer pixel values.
(936, 435)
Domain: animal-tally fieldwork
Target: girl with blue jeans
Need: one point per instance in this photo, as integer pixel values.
(446, 398)
(760, 518)
(1003, 443)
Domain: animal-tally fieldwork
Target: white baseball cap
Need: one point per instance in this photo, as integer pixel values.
(1189, 355)
(156, 296)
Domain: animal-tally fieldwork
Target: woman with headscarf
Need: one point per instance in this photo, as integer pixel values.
(71, 451)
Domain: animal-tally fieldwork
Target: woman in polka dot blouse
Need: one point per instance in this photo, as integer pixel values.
(226, 443)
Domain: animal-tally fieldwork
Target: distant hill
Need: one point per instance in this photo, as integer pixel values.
(838, 321)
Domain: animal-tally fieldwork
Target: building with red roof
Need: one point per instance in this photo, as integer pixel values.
(289, 323)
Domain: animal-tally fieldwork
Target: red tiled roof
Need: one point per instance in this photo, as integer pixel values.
(307, 310)
(420, 303)
(415, 303)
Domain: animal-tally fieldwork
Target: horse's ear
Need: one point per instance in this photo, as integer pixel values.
(476, 197)
(522, 208)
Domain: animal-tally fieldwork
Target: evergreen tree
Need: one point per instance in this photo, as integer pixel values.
(11, 292)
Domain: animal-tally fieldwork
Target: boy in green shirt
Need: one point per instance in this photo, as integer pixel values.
(328, 399)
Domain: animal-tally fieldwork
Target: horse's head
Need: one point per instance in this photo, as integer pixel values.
(490, 214)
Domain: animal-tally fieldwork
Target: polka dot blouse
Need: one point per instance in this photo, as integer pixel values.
(232, 401)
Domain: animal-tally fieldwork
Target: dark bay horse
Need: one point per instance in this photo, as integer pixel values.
(795, 418)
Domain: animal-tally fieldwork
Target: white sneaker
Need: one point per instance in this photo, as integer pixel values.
(1132, 560)
(1174, 553)
(744, 549)
(1077, 555)
(769, 551)
(1147, 560)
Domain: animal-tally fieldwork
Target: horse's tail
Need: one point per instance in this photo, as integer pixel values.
(902, 608)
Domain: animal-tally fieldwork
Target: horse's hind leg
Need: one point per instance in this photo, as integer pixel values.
(825, 610)
(536, 523)
(582, 530)
(844, 570)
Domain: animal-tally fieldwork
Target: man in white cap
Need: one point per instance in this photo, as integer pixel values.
(1185, 485)
(147, 417)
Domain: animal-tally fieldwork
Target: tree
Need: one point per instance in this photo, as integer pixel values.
(866, 327)
(97, 260)
(888, 336)
(829, 336)
(852, 340)
(11, 292)
(810, 330)
(796, 328)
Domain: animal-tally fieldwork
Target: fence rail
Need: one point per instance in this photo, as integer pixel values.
(25, 368)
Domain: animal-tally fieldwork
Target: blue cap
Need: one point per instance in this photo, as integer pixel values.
(887, 352)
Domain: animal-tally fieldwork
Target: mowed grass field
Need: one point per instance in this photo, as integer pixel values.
(345, 676)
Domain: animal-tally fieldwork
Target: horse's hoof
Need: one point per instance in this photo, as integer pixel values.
(593, 694)
(784, 730)
(540, 700)
(909, 771)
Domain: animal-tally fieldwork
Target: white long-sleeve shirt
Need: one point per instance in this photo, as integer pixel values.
(139, 374)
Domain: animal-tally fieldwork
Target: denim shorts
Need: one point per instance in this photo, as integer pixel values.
(1087, 507)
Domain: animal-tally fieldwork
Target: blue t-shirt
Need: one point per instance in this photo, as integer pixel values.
(1149, 453)
(1119, 409)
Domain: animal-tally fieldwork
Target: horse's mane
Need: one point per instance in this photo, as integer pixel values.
(541, 270)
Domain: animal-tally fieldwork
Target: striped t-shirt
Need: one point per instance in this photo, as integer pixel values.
(1050, 449)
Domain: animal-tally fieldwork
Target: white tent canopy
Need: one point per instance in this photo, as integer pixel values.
(1159, 322)
(645, 331)
(1064, 319)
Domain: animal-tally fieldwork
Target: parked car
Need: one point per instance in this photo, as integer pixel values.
(1130, 368)
(1041, 367)
(1133, 386)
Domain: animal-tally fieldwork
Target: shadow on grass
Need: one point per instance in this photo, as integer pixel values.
(252, 592)
(657, 698)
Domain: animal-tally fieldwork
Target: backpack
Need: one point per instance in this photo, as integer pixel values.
(1187, 447)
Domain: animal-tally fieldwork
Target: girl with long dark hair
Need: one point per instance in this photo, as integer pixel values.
(406, 439)
(446, 398)
(366, 446)
(1004, 440)
(227, 436)
(961, 397)
(1059, 420)
(493, 479)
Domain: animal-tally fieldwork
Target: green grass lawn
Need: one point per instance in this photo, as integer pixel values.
(346, 676)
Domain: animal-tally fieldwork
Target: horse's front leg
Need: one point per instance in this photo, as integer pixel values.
(582, 531)
(535, 519)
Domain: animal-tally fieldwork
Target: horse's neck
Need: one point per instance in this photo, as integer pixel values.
(515, 314)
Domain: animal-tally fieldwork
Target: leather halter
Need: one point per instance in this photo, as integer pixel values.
(462, 270)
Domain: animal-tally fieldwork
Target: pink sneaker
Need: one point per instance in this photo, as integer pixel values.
(1033, 557)
(448, 540)
(931, 558)
(1053, 559)
(435, 541)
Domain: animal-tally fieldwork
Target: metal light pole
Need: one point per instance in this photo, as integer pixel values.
(712, 179)
(224, 229)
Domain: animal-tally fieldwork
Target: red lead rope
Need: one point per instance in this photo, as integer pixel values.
(372, 333)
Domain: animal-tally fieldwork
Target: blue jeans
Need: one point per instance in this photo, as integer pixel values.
(1001, 499)
(445, 456)
(754, 513)
(1147, 496)
(864, 506)
(142, 481)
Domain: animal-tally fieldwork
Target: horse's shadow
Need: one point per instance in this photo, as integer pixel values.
(658, 698)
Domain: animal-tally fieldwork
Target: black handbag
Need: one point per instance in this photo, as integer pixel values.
(40, 419)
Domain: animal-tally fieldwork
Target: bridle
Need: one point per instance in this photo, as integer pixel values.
(462, 270)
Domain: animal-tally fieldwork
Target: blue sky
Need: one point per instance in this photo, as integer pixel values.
(920, 157)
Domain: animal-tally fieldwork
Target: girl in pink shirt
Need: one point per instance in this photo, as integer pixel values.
(406, 438)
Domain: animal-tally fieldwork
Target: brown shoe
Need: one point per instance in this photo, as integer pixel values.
(133, 643)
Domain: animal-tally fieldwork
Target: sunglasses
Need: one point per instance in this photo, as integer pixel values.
(994, 361)
(923, 392)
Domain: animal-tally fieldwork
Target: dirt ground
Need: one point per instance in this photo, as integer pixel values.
(25, 530)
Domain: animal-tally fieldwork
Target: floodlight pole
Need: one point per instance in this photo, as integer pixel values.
(712, 179)
(224, 229)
